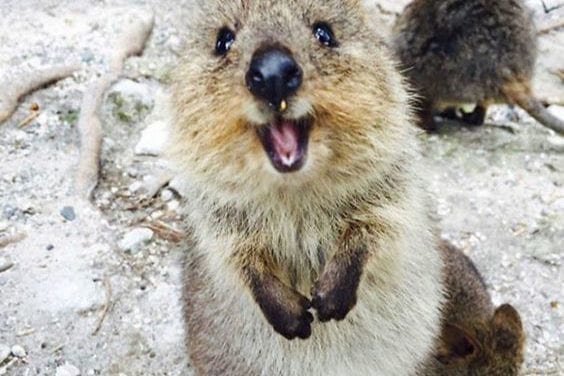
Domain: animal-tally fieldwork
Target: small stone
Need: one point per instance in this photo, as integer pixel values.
(557, 142)
(132, 172)
(9, 211)
(68, 213)
(557, 111)
(179, 185)
(152, 184)
(50, 247)
(135, 239)
(173, 205)
(5, 264)
(135, 187)
(18, 351)
(167, 195)
(87, 56)
(153, 139)
(4, 353)
(67, 370)
(139, 91)
(20, 136)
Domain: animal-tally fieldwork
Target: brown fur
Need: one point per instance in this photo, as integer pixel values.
(329, 270)
(470, 51)
(476, 340)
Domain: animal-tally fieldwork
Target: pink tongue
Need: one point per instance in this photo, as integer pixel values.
(285, 142)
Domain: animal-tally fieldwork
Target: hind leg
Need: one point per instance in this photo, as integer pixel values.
(425, 119)
(478, 116)
(450, 113)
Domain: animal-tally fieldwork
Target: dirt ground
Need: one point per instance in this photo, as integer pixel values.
(76, 298)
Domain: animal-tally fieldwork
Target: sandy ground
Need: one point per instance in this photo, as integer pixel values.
(499, 194)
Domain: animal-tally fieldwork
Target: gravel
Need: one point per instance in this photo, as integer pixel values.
(68, 213)
(4, 353)
(167, 195)
(5, 264)
(134, 240)
(18, 351)
(498, 192)
(557, 111)
(153, 139)
(67, 370)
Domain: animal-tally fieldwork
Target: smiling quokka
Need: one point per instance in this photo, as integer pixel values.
(292, 129)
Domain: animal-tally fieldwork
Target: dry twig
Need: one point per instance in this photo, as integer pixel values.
(548, 9)
(29, 118)
(14, 88)
(4, 369)
(559, 73)
(89, 123)
(25, 333)
(549, 26)
(6, 240)
(165, 231)
(57, 348)
(106, 308)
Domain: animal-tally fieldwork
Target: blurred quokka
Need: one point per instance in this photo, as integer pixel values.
(313, 252)
(470, 52)
(476, 339)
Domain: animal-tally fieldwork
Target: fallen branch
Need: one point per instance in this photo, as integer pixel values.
(89, 123)
(107, 305)
(16, 87)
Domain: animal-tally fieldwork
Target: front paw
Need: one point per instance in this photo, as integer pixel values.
(335, 293)
(293, 321)
(285, 309)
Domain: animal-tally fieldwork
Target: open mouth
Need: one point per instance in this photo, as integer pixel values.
(285, 142)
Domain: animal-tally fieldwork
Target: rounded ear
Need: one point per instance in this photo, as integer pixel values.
(507, 329)
(457, 346)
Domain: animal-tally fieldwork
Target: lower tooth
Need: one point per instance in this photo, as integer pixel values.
(287, 160)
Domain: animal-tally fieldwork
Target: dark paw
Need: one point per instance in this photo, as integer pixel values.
(428, 124)
(450, 113)
(334, 293)
(293, 323)
(285, 309)
(476, 117)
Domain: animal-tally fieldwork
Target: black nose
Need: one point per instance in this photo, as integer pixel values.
(273, 76)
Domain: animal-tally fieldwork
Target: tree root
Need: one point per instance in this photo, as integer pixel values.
(14, 88)
(89, 123)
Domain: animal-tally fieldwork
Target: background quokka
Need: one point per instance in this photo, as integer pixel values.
(292, 128)
(470, 52)
(476, 339)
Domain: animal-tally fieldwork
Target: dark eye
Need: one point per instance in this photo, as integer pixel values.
(225, 39)
(324, 34)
